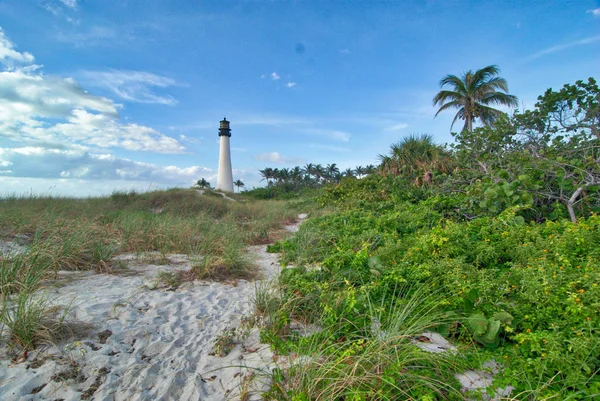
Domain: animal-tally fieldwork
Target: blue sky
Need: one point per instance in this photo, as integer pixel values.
(97, 96)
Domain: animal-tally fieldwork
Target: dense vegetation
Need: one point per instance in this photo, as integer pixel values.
(284, 183)
(493, 243)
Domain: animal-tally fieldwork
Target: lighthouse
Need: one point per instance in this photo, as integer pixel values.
(224, 176)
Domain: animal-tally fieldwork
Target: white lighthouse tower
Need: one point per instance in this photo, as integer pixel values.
(225, 176)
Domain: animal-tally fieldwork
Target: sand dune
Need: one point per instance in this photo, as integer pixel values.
(144, 344)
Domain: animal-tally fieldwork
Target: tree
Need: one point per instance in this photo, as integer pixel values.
(472, 94)
(296, 174)
(319, 172)
(267, 174)
(416, 157)
(563, 134)
(309, 169)
(203, 183)
(332, 171)
(539, 158)
(239, 184)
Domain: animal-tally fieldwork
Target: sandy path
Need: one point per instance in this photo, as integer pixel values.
(201, 192)
(160, 344)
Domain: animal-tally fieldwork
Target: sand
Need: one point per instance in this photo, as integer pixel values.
(141, 343)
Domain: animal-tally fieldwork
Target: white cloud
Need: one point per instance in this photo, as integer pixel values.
(134, 86)
(558, 48)
(69, 3)
(397, 127)
(9, 55)
(50, 111)
(38, 162)
(344, 51)
(595, 12)
(290, 84)
(274, 76)
(275, 157)
(100, 131)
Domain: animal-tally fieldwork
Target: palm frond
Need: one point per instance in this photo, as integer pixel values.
(448, 105)
(501, 99)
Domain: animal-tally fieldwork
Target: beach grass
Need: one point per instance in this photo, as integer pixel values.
(381, 361)
(87, 234)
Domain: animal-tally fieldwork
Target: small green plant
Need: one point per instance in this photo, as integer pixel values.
(170, 280)
(487, 331)
(225, 342)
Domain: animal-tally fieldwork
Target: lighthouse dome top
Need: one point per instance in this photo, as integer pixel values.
(224, 129)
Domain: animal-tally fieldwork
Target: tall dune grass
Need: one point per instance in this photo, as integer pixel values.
(377, 364)
(86, 234)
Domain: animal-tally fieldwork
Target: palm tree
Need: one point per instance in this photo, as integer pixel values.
(332, 171)
(472, 94)
(239, 184)
(267, 174)
(417, 157)
(309, 169)
(203, 183)
(387, 165)
(370, 169)
(348, 173)
(296, 174)
(284, 175)
(319, 173)
(277, 175)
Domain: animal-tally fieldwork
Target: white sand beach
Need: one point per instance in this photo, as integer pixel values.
(141, 343)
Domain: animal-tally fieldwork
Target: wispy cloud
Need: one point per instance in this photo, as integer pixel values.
(275, 157)
(69, 3)
(133, 86)
(595, 12)
(290, 84)
(329, 148)
(188, 139)
(275, 76)
(269, 120)
(60, 12)
(328, 133)
(344, 51)
(397, 127)
(93, 36)
(339, 136)
(562, 47)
